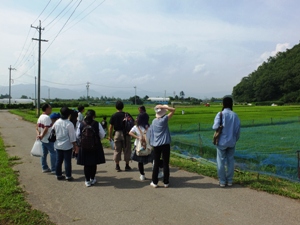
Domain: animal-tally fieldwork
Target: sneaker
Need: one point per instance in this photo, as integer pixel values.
(127, 168)
(222, 185)
(53, 172)
(46, 170)
(229, 184)
(118, 169)
(142, 177)
(87, 183)
(166, 185)
(60, 177)
(153, 185)
(93, 181)
(160, 175)
(69, 178)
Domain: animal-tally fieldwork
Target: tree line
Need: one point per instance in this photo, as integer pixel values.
(277, 79)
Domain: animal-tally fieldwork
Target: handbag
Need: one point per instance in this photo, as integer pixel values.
(218, 132)
(52, 136)
(143, 148)
(37, 149)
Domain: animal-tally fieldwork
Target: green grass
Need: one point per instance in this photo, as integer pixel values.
(13, 206)
(254, 181)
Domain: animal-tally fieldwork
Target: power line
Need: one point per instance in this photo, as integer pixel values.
(62, 27)
(59, 14)
(23, 46)
(41, 12)
(52, 11)
(85, 15)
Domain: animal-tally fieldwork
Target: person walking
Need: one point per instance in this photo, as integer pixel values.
(65, 143)
(90, 157)
(121, 139)
(137, 133)
(160, 139)
(43, 130)
(226, 145)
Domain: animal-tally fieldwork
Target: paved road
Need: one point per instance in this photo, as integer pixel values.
(121, 198)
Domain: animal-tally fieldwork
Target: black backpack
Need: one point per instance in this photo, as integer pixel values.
(128, 123)
(88, 140)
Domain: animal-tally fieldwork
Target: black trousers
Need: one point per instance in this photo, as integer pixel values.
(90, 172)
(164, 152)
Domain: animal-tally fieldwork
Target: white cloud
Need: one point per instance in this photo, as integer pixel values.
(199, 68)
(279, 48)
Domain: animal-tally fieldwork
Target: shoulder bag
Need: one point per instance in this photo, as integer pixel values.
(218, 131)
(143, 148)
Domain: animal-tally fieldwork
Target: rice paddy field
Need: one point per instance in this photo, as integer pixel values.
(269, 135)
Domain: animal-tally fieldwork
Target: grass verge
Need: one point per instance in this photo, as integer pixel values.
(13, 206)
(252, 180)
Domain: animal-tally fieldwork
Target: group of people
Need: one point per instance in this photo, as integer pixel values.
(70, 125)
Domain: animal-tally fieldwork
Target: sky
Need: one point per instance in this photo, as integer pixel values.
(145, 47)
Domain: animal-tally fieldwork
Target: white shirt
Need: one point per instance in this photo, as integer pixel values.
(65, 134)
(135, 130)
(101, 131)
(43, 122)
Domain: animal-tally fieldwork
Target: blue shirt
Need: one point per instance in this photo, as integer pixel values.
(160, 131)
(231, 128)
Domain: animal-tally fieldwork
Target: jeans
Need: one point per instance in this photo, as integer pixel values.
(48, 148)
(225, 156)
(163, 150)
(64, 156)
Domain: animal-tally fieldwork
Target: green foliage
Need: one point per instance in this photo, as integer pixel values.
(13, 207)
(276, 79)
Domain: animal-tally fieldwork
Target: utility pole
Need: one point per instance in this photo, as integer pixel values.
(49, 94)
(9, 97)
(39, 28)
(35, 93)
(135, 95)
(87, 90)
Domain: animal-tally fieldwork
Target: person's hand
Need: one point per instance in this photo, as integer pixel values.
(39, 137)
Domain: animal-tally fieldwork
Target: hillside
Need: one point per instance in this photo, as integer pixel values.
(276, 79)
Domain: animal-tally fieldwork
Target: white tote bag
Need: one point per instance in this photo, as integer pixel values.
(37, 149)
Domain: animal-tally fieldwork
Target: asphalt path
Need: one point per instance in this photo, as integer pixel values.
(121, 198)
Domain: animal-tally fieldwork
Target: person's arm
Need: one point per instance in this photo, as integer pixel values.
(72, 137)
(133, 133)
(216, 121)
(37, 131)
(171, 110)
(41, 136)
(110, 131)
(101, 131)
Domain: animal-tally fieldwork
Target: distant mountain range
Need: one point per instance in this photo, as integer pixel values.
(50, 92)
(64, 93)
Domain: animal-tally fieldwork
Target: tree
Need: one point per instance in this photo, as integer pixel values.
(137, 99)
(182, 95)
(24, 97)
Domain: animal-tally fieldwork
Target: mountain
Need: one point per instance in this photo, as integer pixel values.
(278, 79)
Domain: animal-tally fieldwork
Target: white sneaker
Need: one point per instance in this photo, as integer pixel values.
(160, 175)
(142, 177)
(87, 183)
(153, 185)
(166, 185)
(93, 181)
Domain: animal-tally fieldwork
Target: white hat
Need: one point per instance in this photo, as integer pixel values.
(160, 112)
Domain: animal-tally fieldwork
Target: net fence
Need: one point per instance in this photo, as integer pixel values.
(266, 146)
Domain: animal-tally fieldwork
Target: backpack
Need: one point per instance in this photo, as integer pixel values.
(88, 138)
(128, 123)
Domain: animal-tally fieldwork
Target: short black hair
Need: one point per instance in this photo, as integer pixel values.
(119, 105)
(80, 108)
(45, 107)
